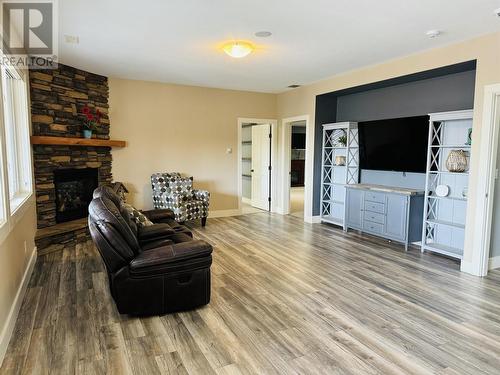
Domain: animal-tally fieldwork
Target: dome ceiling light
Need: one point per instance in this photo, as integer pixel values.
(238, 49)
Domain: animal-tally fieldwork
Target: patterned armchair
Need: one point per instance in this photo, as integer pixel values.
(176, 193)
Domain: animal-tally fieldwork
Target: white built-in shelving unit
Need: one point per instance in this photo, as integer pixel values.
(335, 176)
(444, 217)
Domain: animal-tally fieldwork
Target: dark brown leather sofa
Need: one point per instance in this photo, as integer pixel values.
(152, 270)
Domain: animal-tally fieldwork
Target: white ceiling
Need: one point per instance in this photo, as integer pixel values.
(177, 41)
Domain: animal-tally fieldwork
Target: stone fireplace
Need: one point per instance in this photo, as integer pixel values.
(54, 160)
(66, 172)
(73, 190)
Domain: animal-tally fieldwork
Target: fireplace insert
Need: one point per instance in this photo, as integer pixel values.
(74, 188)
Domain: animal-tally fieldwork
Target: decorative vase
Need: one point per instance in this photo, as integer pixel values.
(87, 133)
(457, 161)
(340, 160)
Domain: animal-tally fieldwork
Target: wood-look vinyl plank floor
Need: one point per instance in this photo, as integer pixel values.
(287, 298)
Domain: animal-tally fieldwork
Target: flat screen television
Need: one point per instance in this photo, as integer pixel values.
(394, 145)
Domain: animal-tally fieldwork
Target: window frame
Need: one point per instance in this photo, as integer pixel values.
(12, 208)
(19, 154)
(4, 198)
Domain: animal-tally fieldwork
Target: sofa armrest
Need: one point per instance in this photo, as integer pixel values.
(154, 232)
(153, 244)
(201, 195)
(171, 254)
(159, 214)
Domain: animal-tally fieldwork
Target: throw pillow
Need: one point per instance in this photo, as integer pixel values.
(140, 219)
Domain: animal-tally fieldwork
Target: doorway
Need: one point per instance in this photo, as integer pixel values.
(297, 167)
(494, 248)
(296, 177)
(256, 157)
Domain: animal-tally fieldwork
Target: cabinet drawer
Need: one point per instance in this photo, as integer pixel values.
(373, 227)
(375, 197)
(375, 217)
(375, 207)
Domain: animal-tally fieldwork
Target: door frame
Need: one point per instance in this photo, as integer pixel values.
(274, 157)
(286, 155)
(485, 188)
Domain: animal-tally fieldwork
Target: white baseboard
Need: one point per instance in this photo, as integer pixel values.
(312, 219)
(246, 200)
(8, 328)
(224, 213)
(494, 263)
(280, 211)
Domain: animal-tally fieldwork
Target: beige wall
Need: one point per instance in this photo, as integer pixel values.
(180, 128)
(485, 49)
(13, 264)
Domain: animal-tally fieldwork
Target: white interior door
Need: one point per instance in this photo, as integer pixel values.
(261, 159)
(495, 220)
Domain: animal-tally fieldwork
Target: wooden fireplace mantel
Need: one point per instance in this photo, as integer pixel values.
(69, 141)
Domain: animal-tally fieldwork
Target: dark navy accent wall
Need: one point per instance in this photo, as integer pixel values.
(448, 93)
(326, 112)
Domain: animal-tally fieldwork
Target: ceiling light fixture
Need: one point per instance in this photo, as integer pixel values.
(238, 49)
(433, 33)
(263, 34)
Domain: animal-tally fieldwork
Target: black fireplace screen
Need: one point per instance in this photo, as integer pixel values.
(74, 188)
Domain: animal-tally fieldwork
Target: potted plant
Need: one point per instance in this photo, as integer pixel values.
(90, 121)
(343, 140)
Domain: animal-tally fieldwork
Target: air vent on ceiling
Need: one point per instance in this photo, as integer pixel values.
(293, 86)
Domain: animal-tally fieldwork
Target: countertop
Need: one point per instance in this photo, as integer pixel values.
(386, 189)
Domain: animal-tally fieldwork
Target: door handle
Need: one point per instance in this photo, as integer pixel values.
(251, 170)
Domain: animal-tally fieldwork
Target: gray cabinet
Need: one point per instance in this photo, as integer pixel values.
(392, 213)
(354, 216)
(397, 209)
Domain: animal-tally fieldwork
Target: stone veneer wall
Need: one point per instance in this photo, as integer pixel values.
(57, 99)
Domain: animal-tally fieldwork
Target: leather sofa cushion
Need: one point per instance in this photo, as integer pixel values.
(159, 215)
(155, 243)
(103, 209)
(154, 231)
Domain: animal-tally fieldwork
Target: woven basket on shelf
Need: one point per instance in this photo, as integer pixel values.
(456, 161)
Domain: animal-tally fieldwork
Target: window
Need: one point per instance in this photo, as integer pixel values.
(16, 137)
(2, 186)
